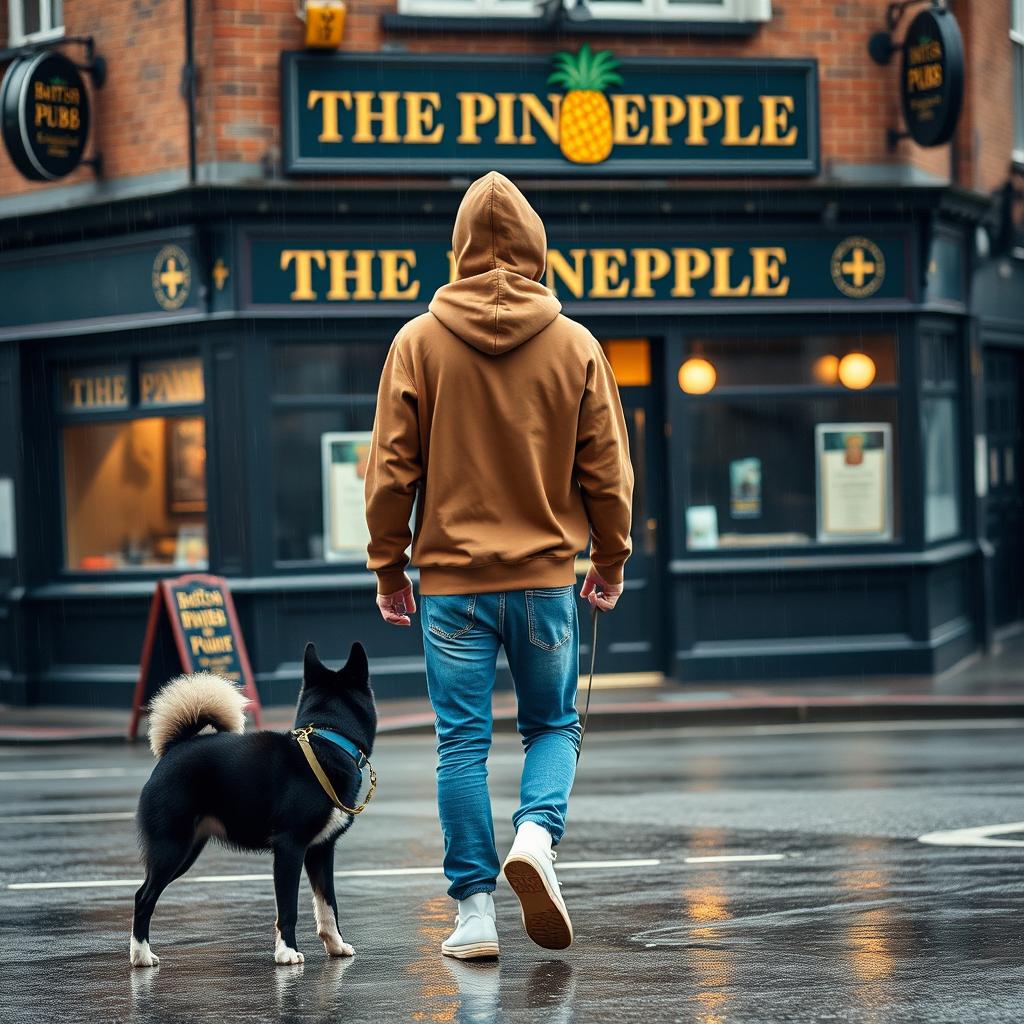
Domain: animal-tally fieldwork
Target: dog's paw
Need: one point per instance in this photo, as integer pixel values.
(286, 955)
(337, 946)
(141, 955)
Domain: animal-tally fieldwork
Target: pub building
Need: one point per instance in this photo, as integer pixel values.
(815, 323)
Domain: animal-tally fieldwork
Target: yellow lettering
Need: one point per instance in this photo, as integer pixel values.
(704, 111)
(546, 118)
(689, 264)
(395, 265)
(731, 136)
(506, 118)
(768, 261)
(775, 111)
(607, 265)
(626, 110)
(419, 117)
(559, 270)
(362, 275)
(475, 108)
(666, 111)
(303, 260)
(387, 117)
(723, 288)
(649, 265)
(329, 100)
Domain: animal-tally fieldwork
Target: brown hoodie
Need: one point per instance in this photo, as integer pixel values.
(505, 415)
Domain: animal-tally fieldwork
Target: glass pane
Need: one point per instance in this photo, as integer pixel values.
(171, 382)
(298, 477)
(57, 13)
(1018, 93)
(135, 494)
(941, 469)
(753, 472)
(31, 15)
(327, 368)
(823, 360)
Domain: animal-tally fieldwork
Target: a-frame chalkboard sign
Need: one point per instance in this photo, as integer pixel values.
(192, 628)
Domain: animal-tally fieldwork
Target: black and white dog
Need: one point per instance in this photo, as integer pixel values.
(254, 792)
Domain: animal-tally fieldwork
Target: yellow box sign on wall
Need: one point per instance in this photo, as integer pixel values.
(325, 25)
(631, 361)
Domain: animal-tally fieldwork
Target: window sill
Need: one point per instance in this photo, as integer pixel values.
(414, 23)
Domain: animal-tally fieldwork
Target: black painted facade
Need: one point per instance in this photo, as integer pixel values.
(914, 604)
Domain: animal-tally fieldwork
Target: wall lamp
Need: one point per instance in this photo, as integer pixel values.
(881, 46)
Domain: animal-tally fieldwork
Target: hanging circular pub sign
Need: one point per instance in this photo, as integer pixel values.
(932, 80)
(44, 109)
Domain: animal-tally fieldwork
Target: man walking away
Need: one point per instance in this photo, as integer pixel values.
(505, 417)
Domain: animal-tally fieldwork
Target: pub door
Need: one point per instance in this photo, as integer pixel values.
(631, 638)
(1005, 505)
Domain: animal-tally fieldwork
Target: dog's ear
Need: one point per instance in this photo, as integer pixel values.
(314, 672)
(357, 668)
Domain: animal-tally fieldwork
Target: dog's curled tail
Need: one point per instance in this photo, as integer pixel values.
(191, 702)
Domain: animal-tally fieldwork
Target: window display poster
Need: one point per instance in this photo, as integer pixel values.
(745, 489)
(854, 481)
(345, 455)
(702, 528)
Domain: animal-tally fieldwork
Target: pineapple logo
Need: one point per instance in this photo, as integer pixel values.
(585, 119)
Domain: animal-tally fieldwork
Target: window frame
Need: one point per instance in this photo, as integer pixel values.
(621, 10)
(1017, 71)
(17, 35)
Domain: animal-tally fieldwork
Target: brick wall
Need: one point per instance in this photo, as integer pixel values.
(141, 122)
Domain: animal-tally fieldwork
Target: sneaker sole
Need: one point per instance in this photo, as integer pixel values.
(544, 919)
(477, 950)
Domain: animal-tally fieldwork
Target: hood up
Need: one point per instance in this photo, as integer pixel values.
(500, 249)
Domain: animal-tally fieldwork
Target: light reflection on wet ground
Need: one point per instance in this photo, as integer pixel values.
(859, 923)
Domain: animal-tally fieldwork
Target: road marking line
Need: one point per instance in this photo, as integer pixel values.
(734, 858)
(980, 835)
(114, 883)
(46, 819)
(40, 774)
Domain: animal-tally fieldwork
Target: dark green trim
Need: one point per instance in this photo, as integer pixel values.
(427, 24)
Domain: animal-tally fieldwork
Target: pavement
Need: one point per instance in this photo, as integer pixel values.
(985, 687)
(746, 874)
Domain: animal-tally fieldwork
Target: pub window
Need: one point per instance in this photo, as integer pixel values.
(325, 396)
(677, 10)
(133, 446)
(32, 20)
(793, 440)
(940, 433)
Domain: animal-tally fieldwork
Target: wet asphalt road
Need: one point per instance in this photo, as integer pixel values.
(854, 919)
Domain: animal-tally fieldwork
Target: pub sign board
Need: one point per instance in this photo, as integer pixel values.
(361, 270)
(44, 108)
(580, 113)
(192, 627)
(932, 77)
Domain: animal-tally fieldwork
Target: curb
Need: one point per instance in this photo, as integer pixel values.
(654, 715)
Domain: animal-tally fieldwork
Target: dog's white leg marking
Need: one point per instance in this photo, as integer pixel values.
(327, 928)
(141, 954)
(285, 954)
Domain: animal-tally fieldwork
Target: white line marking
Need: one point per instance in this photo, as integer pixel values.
(734, 858)
(977, 836)
(46, 819)
(117, 883)
(39, 774)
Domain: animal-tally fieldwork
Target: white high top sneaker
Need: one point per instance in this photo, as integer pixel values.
(530, 870)
(475, 933)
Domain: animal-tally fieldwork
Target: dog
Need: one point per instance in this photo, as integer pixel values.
(254, 791)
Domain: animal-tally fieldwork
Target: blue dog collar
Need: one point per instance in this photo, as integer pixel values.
(344, 742)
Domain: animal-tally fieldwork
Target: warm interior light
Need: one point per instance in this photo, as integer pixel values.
(697, 376)
(856, 371)
(826, 369)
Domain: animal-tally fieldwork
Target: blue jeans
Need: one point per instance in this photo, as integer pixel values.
(461, 634)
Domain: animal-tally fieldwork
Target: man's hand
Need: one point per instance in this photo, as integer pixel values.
(599, 592)
(393, 607)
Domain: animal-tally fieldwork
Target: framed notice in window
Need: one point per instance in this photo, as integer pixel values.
(854, 467)
(345, 454)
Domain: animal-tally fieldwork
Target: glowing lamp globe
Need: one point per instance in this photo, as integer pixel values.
(856, 371)
(697, 376)
(826, 369)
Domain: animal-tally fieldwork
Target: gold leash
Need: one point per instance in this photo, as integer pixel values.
(590, 684)
(302, 735)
